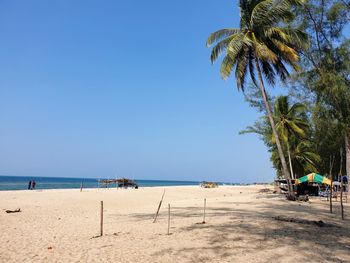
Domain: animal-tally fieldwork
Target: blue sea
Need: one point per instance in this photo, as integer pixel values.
(21, 183)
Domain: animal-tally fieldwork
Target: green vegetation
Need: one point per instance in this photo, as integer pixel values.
(325, 81)
(311, 126)
(264, 45)
(292, 125)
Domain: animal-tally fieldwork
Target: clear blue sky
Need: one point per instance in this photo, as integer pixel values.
(126, 88)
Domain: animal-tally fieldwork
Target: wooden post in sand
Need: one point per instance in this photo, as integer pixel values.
(160, 204)
(330, 198)
(168, 219)
(101, 220)
(205, 205)
(331, 163)
(81, 186)
(341, 199)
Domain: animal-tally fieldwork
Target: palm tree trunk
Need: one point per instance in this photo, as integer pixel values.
(347, 154)
(341, 162)
(290, 162)
(278, 143)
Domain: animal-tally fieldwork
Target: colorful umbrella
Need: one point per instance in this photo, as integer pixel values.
(313, 178)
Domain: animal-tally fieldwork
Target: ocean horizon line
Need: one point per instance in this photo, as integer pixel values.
(9, 182)
(97, 178)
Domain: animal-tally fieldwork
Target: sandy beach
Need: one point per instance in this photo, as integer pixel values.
(62, 225)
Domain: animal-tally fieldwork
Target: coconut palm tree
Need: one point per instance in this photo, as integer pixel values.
(294, 131)
(290, 121)
(303, 157)
(262, 45)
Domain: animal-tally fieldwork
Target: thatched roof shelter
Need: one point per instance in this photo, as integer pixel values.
(121, 182)
(209, 184)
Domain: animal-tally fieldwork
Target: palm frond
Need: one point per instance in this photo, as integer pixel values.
(251, 129)
(281, 70)
(226, 66)
(288, 53)
(221, 34)
(295, 128)
(220, 47)
(263, 53)
(268, 72)
(292, 37)
(297, 108)
(252, 67)
(260, 12)
(241, 69)
(269, 12)
(236, 44)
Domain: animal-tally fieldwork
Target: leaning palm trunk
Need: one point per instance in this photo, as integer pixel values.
(290, 162)
(278, 143)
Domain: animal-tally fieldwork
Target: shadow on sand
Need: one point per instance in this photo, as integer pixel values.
(233, 233)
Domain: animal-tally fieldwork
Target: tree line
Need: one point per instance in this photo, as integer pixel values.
(300, 45)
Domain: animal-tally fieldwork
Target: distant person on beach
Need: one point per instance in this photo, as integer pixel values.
(33, 185)
(30, 185)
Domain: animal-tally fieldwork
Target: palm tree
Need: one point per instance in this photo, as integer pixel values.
(293, 129)
(290, 121)
(262, 45)
(303, 158)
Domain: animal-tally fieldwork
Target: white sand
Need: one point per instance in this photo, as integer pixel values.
(58, 226)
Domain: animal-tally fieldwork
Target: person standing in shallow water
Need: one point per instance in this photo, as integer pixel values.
(33, 185)
(30, 185)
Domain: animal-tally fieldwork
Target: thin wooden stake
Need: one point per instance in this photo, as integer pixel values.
(331, 163)
(205, 205)
(341, 199)
(81, 186)
(330, 198)
(160, 204)
(168, 219)
(101, 221)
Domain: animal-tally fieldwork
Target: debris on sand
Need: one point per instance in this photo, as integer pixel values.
(13, 211)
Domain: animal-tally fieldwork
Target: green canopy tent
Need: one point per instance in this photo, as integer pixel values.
(313, 178)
